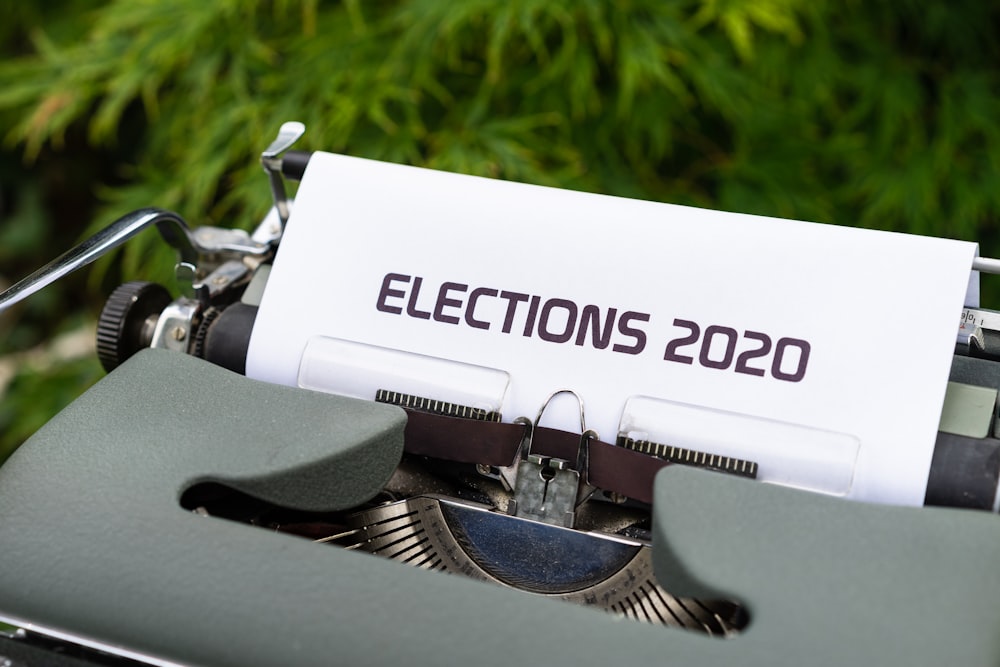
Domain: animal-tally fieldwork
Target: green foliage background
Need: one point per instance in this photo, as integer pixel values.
(874, 114)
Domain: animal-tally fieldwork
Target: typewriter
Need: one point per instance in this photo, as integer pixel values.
(180, 512)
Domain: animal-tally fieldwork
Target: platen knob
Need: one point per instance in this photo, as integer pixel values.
(127, 321)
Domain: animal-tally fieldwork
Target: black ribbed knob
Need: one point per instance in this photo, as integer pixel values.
(127, 321)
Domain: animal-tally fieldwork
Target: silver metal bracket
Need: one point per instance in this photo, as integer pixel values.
(225, 277)
(549, 489)
(175, 326)
(546, 491)
(270, 159)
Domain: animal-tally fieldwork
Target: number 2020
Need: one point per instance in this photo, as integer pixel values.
(744, 360)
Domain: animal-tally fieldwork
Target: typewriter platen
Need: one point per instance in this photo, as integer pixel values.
(440, 485)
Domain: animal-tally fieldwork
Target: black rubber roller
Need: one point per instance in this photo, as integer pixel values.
(227, 338)
(127, 321)
(294, 163)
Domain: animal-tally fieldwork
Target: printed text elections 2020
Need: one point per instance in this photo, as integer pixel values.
(558, 320)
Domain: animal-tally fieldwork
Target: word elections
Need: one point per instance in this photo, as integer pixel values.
(552, 320)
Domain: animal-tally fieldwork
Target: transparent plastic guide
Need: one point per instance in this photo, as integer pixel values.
(359, 370)
(787, 454)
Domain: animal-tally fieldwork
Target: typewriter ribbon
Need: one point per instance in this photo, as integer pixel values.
(354, 369)
(440, 394)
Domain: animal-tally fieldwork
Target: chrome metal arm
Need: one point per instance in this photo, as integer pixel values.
(172, 227)
(986, 265)
(270, 159)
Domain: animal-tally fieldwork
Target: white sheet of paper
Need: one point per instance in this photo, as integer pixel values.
(656, 271)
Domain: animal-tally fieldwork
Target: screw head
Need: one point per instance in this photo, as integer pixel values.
(617, 498)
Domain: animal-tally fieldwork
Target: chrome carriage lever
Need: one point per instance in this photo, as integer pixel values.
(172, 228)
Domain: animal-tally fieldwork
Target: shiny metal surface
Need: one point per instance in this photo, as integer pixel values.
(89, 642)
(216, 245)
(986, 265)
(174, 328)
(546, 491)
(230, 242)
(509, 474)
(171, 226)
(228, 274)
(288, 134)
(603, 571)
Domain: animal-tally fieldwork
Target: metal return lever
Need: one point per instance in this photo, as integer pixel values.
(205, 248)
(172, 228)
